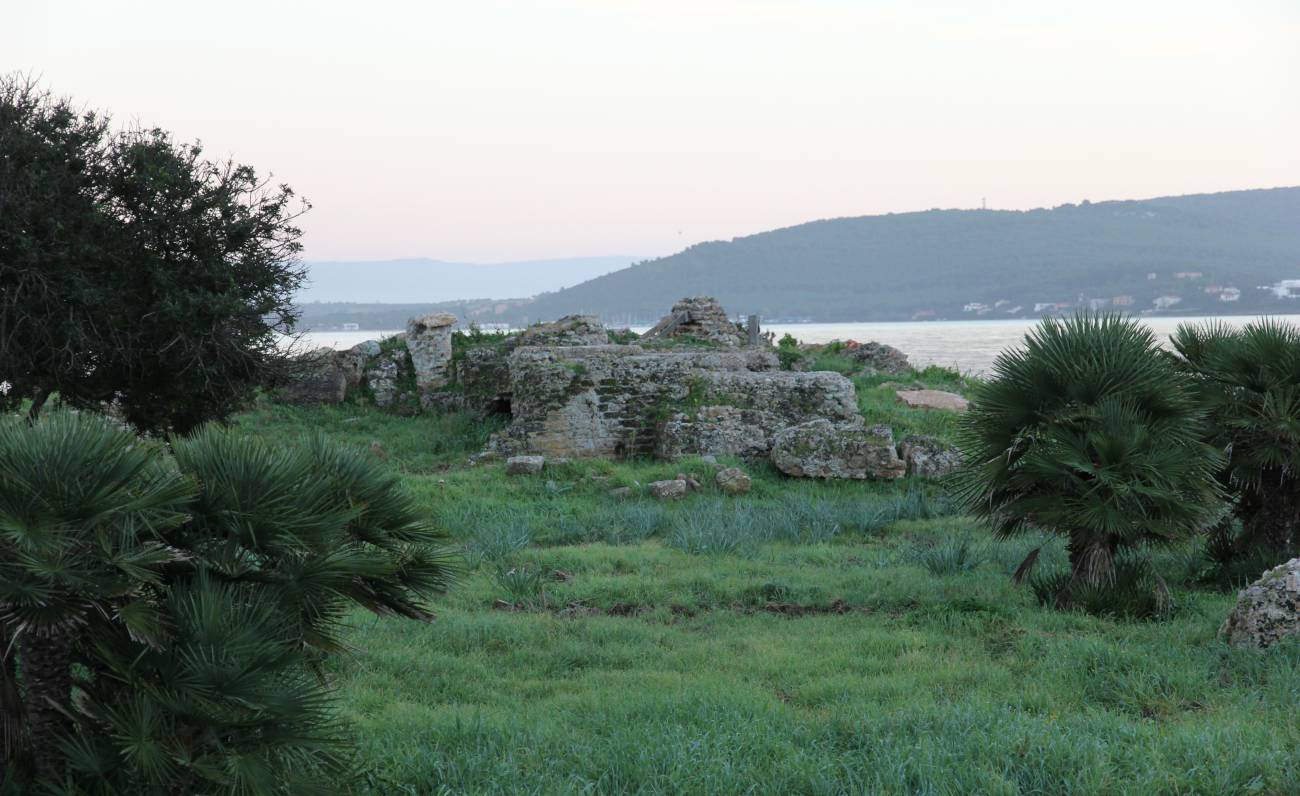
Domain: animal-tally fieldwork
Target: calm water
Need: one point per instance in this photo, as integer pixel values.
(969, 346)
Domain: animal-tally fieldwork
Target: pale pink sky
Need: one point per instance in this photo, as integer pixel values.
(511, 129)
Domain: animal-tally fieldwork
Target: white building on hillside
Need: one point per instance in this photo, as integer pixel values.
(1287, 288)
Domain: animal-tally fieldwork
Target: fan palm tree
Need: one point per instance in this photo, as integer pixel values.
(82, 505)
(171, 613)
(318, 525)
(281, 544)
(1249, 380)
(1091, 432)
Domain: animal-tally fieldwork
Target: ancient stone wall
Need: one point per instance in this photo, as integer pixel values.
(428, 339)
(619, 401)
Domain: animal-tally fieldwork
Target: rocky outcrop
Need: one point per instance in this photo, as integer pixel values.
(390, 379)
(525, 465)
(1267, 610)
(698, 318)
(330, 377)
(674, 489)
(933, 399)
(428, 340)
(366, 350)
(569, 330)
(928, 457)
(733, 481)
(617, 401)
(317, 377)
(822, 449)
(879, 358)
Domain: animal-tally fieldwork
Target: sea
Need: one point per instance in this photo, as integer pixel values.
(968, 346)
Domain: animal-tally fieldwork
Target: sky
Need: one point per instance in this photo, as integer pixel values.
(495, 130)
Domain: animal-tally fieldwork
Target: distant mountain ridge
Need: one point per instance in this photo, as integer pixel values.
(435, 281)
(1184, 254)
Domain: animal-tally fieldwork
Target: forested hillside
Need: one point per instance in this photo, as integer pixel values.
(1186, 254)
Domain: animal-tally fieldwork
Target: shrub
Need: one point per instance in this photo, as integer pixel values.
(1092, 433)
(637, 521)
(499, 537)
(171, 613)
(950, 556)
(1249, 380)
(1133, 590)
(523, 586)
(714, 527)
(798, 519)
(787, 351)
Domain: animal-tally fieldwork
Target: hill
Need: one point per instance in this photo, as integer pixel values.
(424, 280)
(1183, 254)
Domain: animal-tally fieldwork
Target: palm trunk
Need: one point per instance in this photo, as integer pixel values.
(38, 402)
(1272, 520)
(11, 713)
(47, 680)
(1091, 561)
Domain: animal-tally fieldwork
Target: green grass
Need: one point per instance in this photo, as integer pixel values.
(806, 638)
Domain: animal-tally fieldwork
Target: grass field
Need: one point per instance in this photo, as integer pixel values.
(806, 638)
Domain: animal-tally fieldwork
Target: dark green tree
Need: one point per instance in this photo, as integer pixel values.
(134, 271)
(1249, 380)
(1090, 432)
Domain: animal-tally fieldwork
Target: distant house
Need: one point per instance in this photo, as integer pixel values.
(1016, 309)
(1122, 301)
(1151, 275)
(1213, 289)
(1188, 275)
(351, 327)
(1097, 303)
(1287, 288)
(1165, 302)
(976, 306)
(1042, 306)
(1229, 294)
(1000, 303)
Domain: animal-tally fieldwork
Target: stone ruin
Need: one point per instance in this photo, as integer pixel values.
(626, 400)
(404, 373)
(570, 392)
(428, 341)
(698, 318)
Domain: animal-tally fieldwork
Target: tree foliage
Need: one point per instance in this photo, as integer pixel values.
(166, 617)
(1091, 432)
(1249, 381)
(133, 270)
